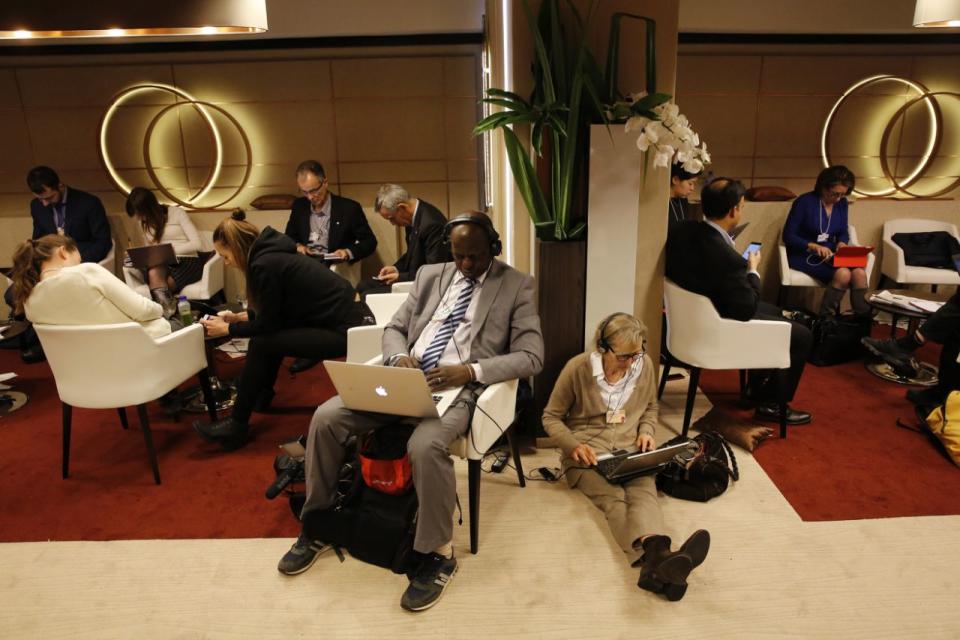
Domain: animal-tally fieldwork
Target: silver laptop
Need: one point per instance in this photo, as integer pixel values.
(394, 390)
(623, 465)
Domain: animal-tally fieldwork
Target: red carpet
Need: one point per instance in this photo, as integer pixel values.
(853, 461)
(206, 493)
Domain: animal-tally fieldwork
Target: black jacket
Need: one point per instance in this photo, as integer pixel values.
(349, 228)
(86, 222)
(292, 290)
(425, 243)
(700, 260)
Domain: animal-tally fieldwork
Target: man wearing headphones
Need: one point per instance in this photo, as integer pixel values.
(471, 323)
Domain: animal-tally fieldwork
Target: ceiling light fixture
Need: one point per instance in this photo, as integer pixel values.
(105, 18)
(937, 13)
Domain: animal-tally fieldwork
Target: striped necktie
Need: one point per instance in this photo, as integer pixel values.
(431, 356)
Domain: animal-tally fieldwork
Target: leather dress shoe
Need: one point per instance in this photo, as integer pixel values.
(229, 433)
(33, 355)
(771, 411)
(302, 364)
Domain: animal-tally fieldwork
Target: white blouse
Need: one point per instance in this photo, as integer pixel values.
(180, 232)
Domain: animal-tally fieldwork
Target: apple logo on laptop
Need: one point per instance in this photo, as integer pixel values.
(380, 391)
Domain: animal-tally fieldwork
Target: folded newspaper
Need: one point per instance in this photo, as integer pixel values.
(236, 348)
(906, 302)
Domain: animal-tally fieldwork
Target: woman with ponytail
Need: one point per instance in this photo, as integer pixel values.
(52, 286)
(296, 307)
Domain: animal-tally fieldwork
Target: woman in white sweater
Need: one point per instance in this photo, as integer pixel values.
(164, 224)
(52, 286)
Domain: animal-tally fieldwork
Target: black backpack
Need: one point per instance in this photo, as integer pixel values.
(932, 249)
(705, 475)
(836, 339)
(373, 526)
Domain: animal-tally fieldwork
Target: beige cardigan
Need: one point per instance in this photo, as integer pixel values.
(576, 414)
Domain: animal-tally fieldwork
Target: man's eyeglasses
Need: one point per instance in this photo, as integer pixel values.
(312, 192)
(627, 357)
(835, 195)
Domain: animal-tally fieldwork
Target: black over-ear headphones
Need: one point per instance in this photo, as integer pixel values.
(496, 247)
(602, 343)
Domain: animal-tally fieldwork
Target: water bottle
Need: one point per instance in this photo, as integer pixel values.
(183, 310)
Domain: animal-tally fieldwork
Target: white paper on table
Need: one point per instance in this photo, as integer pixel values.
(235, 348)
(906, 302)
(7, 376)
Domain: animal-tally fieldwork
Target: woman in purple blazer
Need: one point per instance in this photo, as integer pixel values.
(816, 227)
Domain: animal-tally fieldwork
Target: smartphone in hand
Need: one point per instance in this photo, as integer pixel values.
(753, 248)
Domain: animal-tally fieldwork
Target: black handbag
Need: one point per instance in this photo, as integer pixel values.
(703, 476)
(837, 340)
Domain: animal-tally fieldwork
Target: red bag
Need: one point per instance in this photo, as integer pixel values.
(384, 461)
(392, 477)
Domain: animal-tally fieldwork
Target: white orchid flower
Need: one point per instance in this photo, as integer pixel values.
(693, 166)
(635, 123)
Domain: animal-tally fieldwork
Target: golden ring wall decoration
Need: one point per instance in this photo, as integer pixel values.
(933, 142)
(203, 108)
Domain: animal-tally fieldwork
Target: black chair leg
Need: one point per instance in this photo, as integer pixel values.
(148, 439)
(123, 418)
(691, 396)
(515, 452)
(782, 399)
(67, 418)
(473, 481)
(204, 375)
(664, 373)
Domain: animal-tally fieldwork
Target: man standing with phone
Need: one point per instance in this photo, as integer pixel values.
(701, 258)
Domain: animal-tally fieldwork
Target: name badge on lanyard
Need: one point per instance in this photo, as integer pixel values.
(616, 417)
(823, 237)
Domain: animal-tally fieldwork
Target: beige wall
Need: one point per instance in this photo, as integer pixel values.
(370, 116)
(761, 110)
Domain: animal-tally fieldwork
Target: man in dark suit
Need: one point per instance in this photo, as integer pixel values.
(424, 235)
(701, 258)
(322, 223)
(59, 209)
(468, 324)
(67, 211)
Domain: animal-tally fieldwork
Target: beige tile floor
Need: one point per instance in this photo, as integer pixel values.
(547, 568)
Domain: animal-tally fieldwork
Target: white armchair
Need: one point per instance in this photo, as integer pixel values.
(402, 287)
(493, 417)
(893, 264)
(208, 286)
(698, 337)
(120, 365)
(794, 278)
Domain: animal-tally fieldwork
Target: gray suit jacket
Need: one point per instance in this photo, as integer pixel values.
(507, 342)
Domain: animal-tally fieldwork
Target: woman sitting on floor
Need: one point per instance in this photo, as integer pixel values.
(815, 229)
(297, 307)
(606, 400)
(164, 224)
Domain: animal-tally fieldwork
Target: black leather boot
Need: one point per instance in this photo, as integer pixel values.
(831, 301)
(165, 299)
(858, 299)
(663, 571)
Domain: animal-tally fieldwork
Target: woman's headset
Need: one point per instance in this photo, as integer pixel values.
(602, 344)
(496, 247)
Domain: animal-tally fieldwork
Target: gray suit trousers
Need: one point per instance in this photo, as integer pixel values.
(433, 476)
